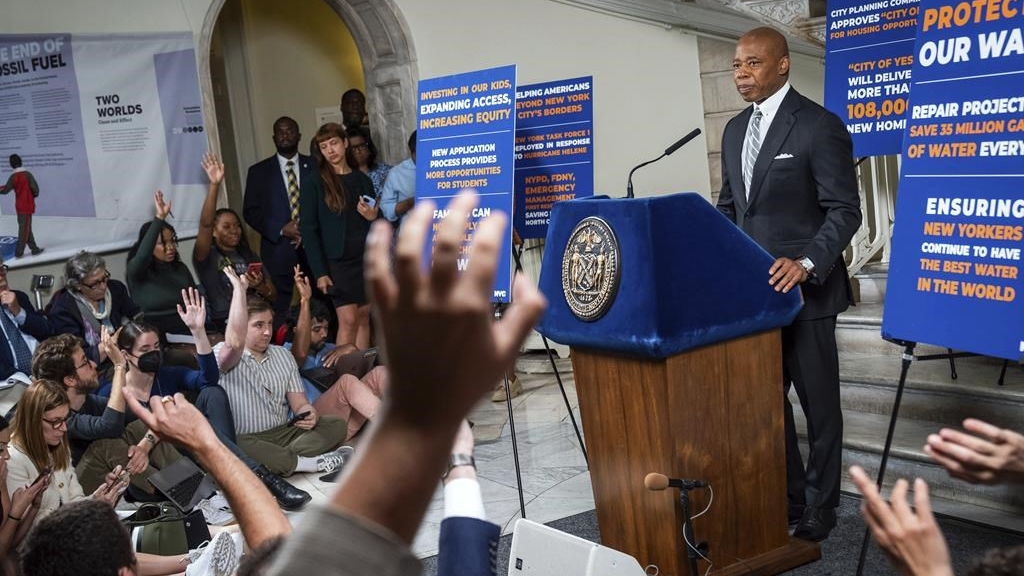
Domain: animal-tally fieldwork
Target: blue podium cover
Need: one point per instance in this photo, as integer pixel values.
(689, 278)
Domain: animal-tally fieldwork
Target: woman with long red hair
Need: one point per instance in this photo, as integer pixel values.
(335, 212)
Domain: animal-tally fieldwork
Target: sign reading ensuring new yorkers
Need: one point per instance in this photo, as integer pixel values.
(869, 53)
(466, 134)
(554, 149)
(955, 275)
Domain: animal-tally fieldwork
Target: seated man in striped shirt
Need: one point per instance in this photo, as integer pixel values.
(263, 386)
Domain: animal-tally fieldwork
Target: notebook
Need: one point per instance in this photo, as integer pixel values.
(357, 364)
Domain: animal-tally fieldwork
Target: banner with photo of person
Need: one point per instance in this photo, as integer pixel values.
(955, 274)
(102, 122)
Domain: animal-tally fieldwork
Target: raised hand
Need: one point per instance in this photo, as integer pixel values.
(235, 279)
(416, 302)
(193, 313)
(9, 300)
(214, 168)
(991, 455)
(108, 345)
(302, 284)
(162, 208)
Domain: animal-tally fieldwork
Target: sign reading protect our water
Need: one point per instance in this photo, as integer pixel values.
(554, 149)
(466, 137)
(955, 277)
(869, 55)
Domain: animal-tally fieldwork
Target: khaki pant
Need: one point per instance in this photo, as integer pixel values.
(103, 455)
(279, 448)
(354, 399)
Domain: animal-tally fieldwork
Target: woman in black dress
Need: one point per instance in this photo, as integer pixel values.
(335, 212)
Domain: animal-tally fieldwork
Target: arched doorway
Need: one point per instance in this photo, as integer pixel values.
(388, 59)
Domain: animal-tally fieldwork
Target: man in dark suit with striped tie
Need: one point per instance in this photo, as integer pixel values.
(21, 328)
(788, 181)
(271, 207)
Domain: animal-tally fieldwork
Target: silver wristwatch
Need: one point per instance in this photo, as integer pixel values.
(806, 264)
(456, 460)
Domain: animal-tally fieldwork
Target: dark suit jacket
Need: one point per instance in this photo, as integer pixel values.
(36, 325)
(803, 200)
(266, 209)
(468, 547)
(65, 318)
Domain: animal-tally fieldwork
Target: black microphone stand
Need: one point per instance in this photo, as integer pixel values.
(679, 144)
(691, 546)
(629, 180)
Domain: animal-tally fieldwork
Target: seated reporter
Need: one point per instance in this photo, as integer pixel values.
(18, 508)
(221, 242)
(155, 273)
(39, 447)
(374, 514)
(263, 385)
(21, 328)
(355, 397)
(90, 303)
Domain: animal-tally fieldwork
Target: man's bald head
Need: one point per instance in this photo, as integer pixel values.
(761, 64)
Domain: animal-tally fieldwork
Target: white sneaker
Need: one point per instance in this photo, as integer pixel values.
(216, 510)
(218, 557)
(331, 461)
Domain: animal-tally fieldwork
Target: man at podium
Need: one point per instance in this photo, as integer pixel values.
(788, 181)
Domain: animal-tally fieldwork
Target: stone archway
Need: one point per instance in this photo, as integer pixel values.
(389, 69)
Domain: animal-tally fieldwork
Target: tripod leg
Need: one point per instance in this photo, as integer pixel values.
(565, 397)
(908, 358)
(515, 447)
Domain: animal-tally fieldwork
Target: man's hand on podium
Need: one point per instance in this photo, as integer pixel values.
(785, 274)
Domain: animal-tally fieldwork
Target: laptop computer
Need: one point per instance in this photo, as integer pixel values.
(357, 364)
(183, 483)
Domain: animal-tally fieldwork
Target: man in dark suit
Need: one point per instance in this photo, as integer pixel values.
(21, 329)
(271, 207)
(788, 181)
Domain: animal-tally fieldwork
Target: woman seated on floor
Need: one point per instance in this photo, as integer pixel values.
(221, 242)
(18, 509)
(89, 302)
(155, 273)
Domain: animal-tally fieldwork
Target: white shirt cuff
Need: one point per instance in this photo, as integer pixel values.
(462, 498)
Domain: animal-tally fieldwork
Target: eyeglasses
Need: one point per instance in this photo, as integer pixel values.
(363, 146)
(84, 363)
(103, 280)
(57, 423)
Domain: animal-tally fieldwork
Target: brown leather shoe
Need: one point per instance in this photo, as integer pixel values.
(515, 388)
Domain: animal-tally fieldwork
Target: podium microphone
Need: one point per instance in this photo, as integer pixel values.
(668, 151)
(655, 481)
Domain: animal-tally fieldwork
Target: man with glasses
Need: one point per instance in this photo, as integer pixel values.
(21, 329)
(97, 434)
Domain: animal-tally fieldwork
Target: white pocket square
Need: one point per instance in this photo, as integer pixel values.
(783, 156)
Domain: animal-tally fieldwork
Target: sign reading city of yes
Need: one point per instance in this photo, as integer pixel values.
(465, 139)
(869, 54)
(554, 149)
(102, 121)
(955, 275)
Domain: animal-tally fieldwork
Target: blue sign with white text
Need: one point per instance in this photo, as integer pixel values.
(466, 137)
(554, 149)
(955, 275)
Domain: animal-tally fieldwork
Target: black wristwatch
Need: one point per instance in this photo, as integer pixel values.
(456, 460)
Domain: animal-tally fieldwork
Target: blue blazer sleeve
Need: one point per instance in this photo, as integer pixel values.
(36, 324)
(468, 547)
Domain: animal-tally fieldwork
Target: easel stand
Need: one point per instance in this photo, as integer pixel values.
(508, 400)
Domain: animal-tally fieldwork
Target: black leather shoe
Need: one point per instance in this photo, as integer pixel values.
(288, 497)
(816, 524)
(795, 514)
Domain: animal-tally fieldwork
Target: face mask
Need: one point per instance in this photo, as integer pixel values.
(150, 362)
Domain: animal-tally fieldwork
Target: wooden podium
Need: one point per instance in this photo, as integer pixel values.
(684, 380)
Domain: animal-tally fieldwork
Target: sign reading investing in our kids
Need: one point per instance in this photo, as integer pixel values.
(955, 276)
(466, 139)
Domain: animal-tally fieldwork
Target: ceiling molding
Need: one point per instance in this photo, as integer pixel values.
(727, 19)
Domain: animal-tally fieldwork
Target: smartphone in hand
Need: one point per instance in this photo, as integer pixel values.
(297, 417)
(255, 268)
(46, 472)
(369, 200)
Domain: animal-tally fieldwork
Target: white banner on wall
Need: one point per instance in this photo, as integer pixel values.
(102, 122)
